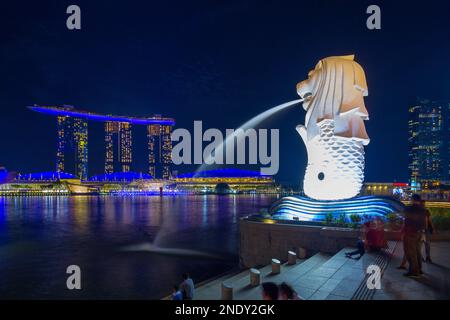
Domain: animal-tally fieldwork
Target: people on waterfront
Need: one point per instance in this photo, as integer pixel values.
(360, 243)
(187, 287)
(372, 238)
(360, 250)
(413, 230)
(404, 260)
(429, 230)
(176, 293)
(375, 235)
(286, 292)
(270, 291)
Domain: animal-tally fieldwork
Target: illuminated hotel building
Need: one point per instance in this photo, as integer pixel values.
(118, 147)
(125, 152)
(61, 144)
(72, 142)
(80, 139)
(159, 149)
(111, 143)
(429, 145)
(72, 146)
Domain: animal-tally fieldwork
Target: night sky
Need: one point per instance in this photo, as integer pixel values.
(221, 62)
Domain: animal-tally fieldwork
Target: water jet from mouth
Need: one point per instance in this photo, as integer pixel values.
(253, 122)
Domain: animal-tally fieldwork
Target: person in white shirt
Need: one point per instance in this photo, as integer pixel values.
(187, 287)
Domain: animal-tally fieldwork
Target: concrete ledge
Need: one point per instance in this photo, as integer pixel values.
(261, 242)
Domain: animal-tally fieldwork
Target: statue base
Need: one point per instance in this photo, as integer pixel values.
(306, 209)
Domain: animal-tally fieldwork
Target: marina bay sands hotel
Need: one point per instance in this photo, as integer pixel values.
(72, 141)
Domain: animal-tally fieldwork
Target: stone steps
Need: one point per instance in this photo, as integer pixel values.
(343, 277)
(349, 280)
(241, 281)
(320, 277)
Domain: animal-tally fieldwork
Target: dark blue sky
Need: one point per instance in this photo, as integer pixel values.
(217, 61)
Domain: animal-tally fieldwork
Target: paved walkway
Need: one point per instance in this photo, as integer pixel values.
(326, 277)
(435, 284)
(317, 278)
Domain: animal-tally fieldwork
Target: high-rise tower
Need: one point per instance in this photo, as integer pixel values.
(118, 147)
(72, 146)
(80, 140)
(159, 149)
(429, 145)
(125, 151)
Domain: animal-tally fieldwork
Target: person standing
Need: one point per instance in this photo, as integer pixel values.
(413, 228)
(187, 287)
(429, 229)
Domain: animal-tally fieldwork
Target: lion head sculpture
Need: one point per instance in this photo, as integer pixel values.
(336, 87)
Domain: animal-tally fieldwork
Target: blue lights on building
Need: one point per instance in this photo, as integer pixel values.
(70, 112)
(306, 209)
(45, 176)
(223, 173)
(3, 175)
(120, 176)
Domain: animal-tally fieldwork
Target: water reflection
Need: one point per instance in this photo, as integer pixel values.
(41, 236)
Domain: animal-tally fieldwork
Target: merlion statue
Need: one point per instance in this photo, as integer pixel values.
(334, 131)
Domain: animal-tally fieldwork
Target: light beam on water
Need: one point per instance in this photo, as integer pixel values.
(155, 248)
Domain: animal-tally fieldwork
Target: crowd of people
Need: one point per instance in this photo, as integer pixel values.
(416, 233)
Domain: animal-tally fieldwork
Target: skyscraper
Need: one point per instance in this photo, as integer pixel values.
(62, 130)
(159, 149)
(72, 146)
(118, 143)
(111, 144)
(429, 145)
(80, 140)
(125, 151)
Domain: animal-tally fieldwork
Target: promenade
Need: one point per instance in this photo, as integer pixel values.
(335, 277)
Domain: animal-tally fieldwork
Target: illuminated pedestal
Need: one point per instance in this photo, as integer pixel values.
(306, 209)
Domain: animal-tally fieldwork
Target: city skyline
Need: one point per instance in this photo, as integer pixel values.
(72, 152)
(222, 67)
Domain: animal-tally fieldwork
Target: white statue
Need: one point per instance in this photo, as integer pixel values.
(334, 131)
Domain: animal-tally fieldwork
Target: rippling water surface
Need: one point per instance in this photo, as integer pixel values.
(126, 247)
